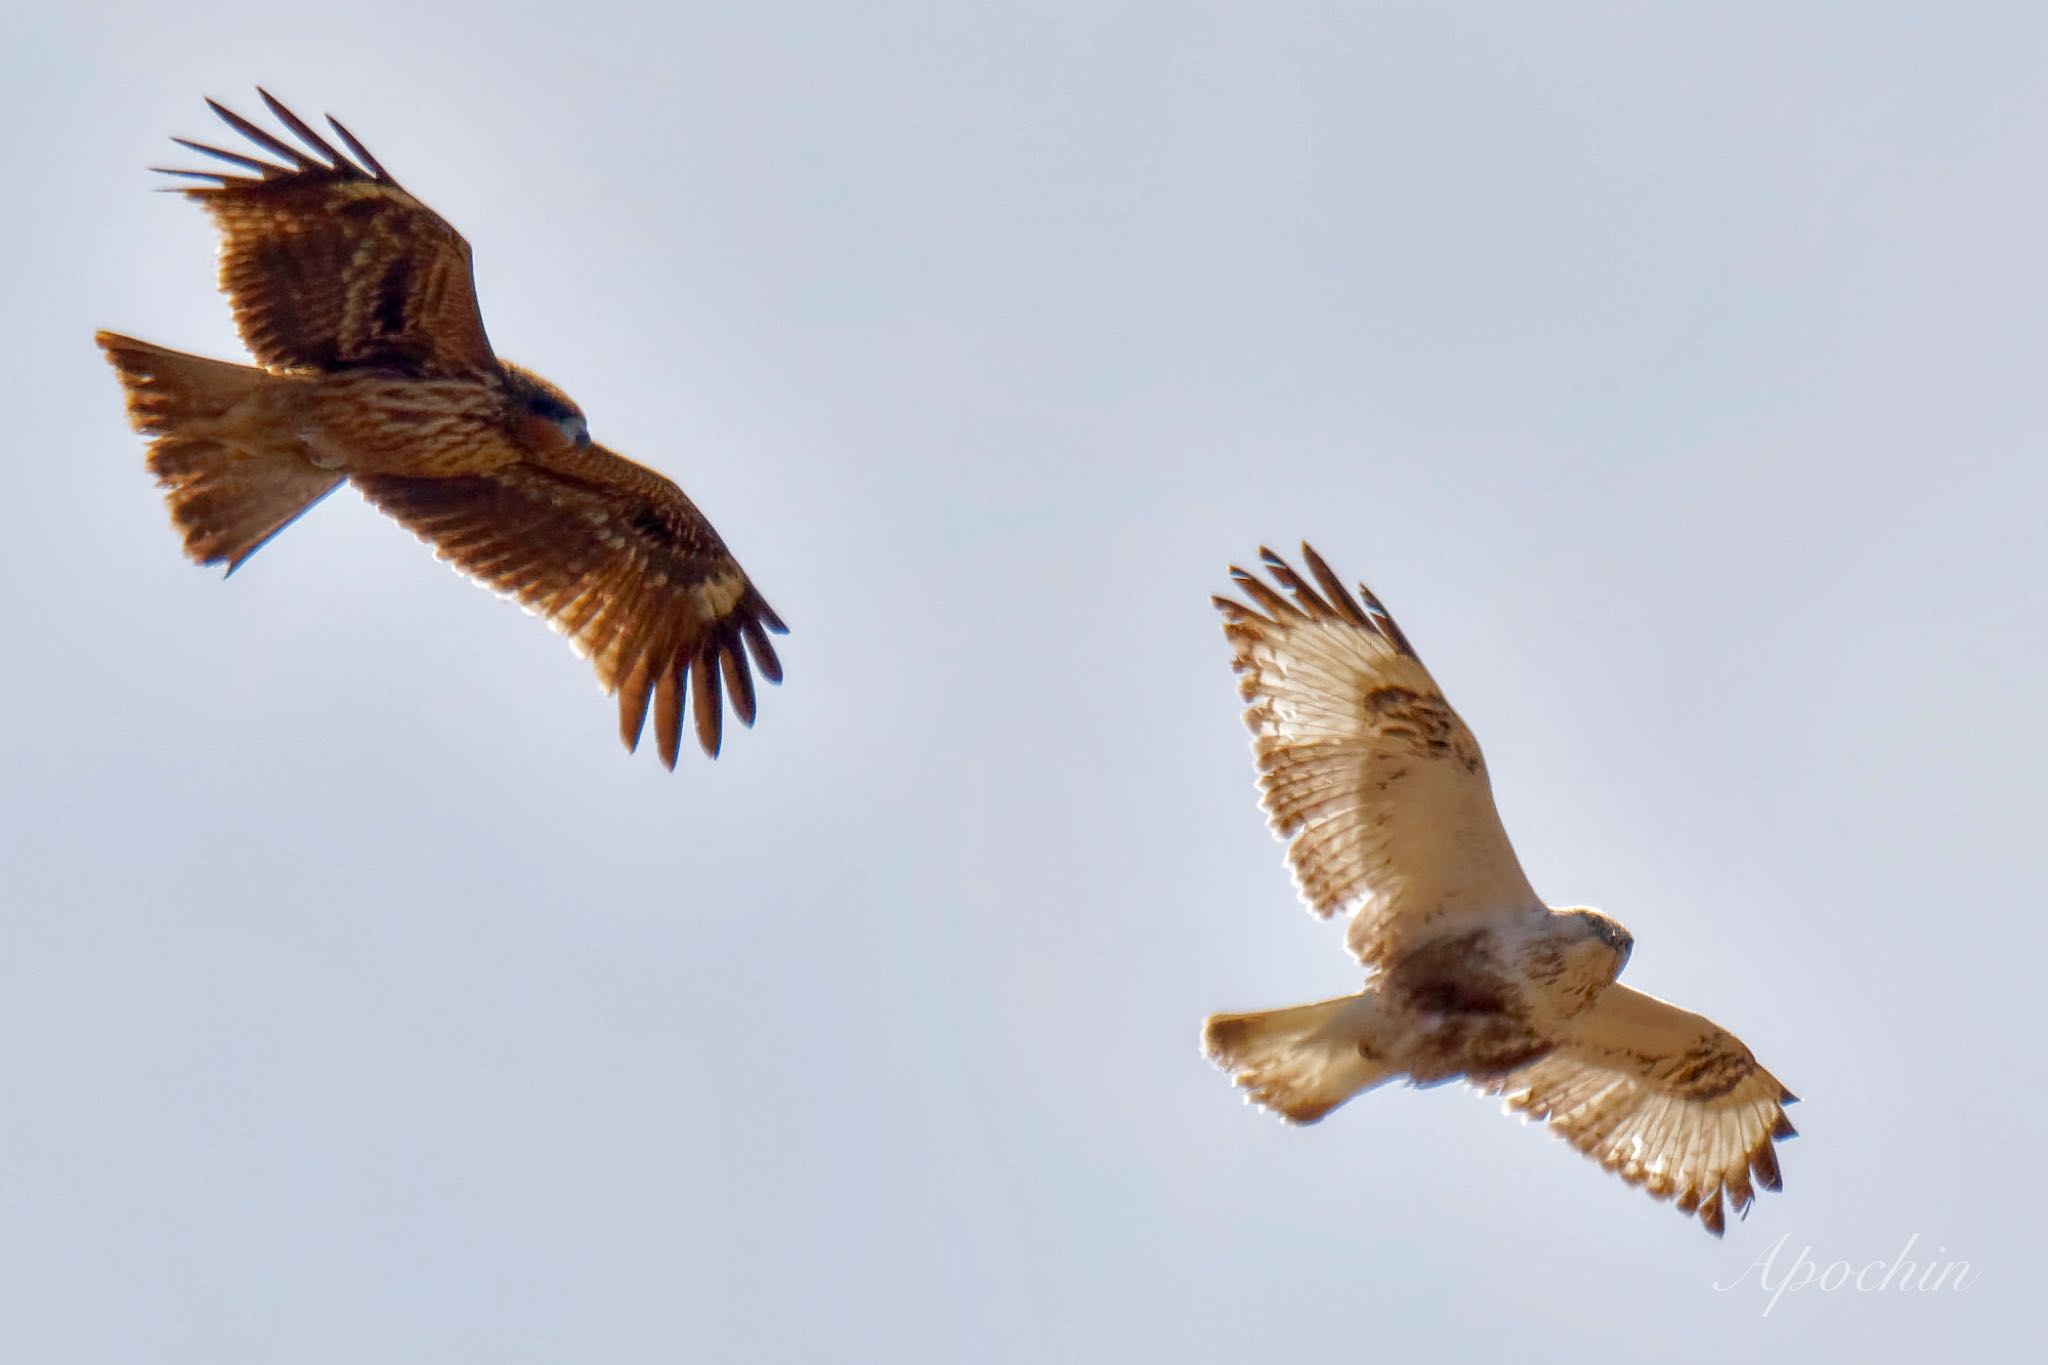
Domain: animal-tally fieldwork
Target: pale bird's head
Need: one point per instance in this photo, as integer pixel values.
(1606, 939)
(544, 417)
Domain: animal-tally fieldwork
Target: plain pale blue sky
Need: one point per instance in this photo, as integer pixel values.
(1674, 372)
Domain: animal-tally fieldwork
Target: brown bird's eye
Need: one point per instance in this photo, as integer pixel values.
(575, 430)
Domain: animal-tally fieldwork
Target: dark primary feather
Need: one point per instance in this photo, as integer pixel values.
(361, 153)
(274, 145)
(234, 158)
(331, 162)
(298, 126)
(1334, 600)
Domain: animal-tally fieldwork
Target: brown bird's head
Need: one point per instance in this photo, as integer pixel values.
(543, 417)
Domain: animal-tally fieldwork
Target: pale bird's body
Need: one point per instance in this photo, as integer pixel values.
(372, 367)
(1382, 794)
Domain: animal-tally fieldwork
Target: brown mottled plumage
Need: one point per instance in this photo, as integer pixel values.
(1382, 794)
(372, 366)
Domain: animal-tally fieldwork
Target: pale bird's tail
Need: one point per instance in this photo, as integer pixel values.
(227, 492)
(1300, 1062)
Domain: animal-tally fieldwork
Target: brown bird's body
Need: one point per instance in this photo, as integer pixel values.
(373, 367)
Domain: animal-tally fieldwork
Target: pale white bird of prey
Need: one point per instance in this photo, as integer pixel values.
(1382, 797)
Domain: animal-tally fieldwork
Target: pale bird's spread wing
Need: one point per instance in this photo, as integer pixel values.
(1664, 1099)
(618, 560)
(1364, 768)
(328, 263)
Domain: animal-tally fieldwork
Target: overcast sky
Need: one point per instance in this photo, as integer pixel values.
(1674, 372)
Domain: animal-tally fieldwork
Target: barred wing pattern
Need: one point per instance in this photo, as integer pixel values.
(623, 565)
(1376, 784)
(1663, 1098)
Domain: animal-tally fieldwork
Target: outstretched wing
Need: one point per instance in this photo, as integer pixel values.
(618, 560)
(328, 263)
(1664, 1099)
(1364, 768)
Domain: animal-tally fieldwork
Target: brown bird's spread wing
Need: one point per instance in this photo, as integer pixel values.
(618, 560)
(328, 263)
(1664, 1099)
(1364, 768)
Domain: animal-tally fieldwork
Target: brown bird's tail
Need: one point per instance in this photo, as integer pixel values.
(229, 492)
(1300, 1062)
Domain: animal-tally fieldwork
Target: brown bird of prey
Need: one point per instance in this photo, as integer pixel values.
(357, 303)
(1380, 792)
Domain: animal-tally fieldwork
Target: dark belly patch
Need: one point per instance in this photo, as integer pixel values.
(1470, 1019)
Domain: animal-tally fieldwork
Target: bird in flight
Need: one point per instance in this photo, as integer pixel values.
(1380, 792)
(357, 303)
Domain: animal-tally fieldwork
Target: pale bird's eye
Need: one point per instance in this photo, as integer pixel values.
(576, 429)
